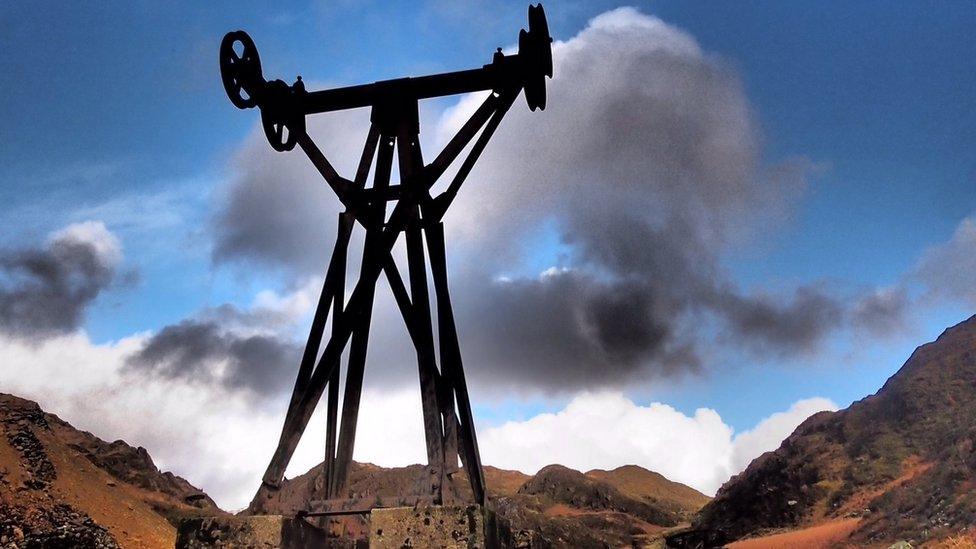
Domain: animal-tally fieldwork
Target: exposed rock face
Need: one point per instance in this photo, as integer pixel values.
(128, 464)
(60, 487)
(903, 459)
(135, 466)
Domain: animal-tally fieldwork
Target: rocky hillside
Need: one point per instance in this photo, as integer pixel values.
(565, 508)
(61, 487)
(654, 489)
(560, 506)
(902, 461)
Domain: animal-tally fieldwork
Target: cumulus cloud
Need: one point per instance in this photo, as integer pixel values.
(606, 430)
(647, 163)
(45, 290)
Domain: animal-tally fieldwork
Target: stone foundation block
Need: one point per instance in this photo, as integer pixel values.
(257, 532)
(445, 527)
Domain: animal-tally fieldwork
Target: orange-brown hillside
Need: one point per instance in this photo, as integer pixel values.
(60, 487)
(654, 488)
(902, 462)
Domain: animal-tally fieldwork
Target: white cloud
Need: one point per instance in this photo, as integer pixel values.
(220, 441)
(290, 307)
(770, 432)
(606, 430)
(217, 439)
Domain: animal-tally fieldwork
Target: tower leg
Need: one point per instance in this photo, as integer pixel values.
(411, 163)
(452, 370)
(360, 337)
(346, 222)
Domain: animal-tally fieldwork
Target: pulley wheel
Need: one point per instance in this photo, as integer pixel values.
(240, 72)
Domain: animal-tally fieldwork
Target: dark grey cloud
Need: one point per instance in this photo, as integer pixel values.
(278, 212)
(566, 329)
(883, 312)
(45, 291)
(648, 166)
(782, 326)
(202, 351)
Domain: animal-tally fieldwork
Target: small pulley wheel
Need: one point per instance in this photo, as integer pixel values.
(535, 49)
(281, 115)
(539, 30)
(240, 72)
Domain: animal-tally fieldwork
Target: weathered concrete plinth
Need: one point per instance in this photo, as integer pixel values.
(248, 532)
(436, 526)
(447, 527)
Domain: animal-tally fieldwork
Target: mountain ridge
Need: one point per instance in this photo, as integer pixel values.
(901, 461)
(62, 487)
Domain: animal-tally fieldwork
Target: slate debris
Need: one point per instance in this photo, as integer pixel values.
(56, 527)
(40, 472)
(51, 525)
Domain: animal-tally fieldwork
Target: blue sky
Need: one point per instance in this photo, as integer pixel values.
(115, 112)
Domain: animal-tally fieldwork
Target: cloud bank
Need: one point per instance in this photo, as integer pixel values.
(606, 430)
(220, 441)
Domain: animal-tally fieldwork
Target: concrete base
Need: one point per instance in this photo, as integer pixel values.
(447, 527)
(251, 532)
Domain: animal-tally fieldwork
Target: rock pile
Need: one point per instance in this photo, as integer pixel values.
(34, 518)
(59, 526)
(39, 471)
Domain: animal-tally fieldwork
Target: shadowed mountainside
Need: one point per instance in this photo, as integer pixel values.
(902, 461)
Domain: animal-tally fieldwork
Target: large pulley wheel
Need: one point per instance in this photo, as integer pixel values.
(240, 69)
(535, 48)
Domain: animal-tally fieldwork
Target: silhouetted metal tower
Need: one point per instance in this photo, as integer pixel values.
(448, 423)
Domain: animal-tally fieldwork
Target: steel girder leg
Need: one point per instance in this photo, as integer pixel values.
(360, 337)
(452, 370)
